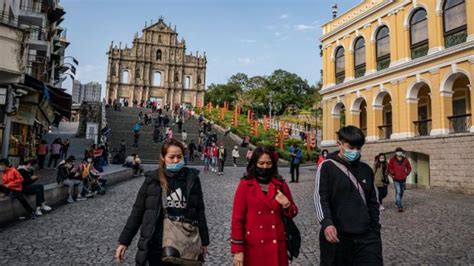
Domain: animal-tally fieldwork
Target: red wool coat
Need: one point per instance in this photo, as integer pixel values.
(257, 226)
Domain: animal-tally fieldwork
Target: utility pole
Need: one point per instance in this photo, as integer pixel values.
(9, 107)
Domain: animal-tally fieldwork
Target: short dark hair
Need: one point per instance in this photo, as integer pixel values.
(32, 162)
(70, 159)
(399, 149)
(352, 135)
(5, 161)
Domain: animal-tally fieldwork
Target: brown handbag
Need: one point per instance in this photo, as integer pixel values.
(181, 240)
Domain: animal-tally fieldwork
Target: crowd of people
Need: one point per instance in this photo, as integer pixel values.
(348, 194)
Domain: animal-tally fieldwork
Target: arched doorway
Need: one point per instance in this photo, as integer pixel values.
(460, 117)
(359, 109)
(383, 109)
(338, 116)
(420, 93)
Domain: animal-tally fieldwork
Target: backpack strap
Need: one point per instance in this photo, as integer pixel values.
(353, 179)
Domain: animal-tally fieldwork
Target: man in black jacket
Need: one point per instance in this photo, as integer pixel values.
(29, 188)
(346, 205)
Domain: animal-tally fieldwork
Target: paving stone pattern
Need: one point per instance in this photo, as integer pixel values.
(436, 229)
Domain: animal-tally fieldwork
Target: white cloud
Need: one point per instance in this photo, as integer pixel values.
(284, 16)
(278, 34)
(247, 41)
(270, 27)
(244, 60)
(303, 27)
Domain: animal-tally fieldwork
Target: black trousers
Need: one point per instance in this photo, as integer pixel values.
(295, 168)
(19, 195)
(55, 158)
(362, 250)
(221, 165)
(37, 190)
(383, 191)
(41, 159)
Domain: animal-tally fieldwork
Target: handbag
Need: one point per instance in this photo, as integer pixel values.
(181, 240)
(293, 237)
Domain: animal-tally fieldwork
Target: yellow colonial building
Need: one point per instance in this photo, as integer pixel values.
(402, 71)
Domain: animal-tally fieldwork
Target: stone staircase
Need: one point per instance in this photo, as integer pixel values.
(121, 123)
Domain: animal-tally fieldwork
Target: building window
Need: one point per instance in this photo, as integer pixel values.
(158, 55)
(125, 76)
(359, 57)
(157, 79)
(454, 20)
(419, 34)
(137, 72)
(383, 48)
(187, 83)
(340, 65)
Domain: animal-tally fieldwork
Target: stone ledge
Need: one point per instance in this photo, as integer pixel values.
(54, 194)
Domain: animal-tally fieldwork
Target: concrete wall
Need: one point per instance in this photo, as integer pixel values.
(11, 209)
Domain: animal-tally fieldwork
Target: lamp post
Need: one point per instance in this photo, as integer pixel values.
(316, 114)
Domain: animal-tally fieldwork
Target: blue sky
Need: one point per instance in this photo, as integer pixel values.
(250, 36)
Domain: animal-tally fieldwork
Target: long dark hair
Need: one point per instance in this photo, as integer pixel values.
(164, 150)
(378, 164)
(257, 153)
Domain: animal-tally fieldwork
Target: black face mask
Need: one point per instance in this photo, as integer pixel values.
(264, 175)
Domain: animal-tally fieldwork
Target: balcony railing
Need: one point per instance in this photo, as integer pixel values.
(385, 131)
(460, 123)
(422, 127)
(32, 6)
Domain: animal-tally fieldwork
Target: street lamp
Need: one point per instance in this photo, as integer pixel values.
(317, 110)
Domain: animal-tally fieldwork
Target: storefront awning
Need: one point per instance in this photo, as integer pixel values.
(26, 114)
(59, 100)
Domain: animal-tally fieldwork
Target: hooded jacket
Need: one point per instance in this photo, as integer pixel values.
(12, 179)
(338, 201)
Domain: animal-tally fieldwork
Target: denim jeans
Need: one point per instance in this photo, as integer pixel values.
(37, 190)
(399, 189)
(70, 183)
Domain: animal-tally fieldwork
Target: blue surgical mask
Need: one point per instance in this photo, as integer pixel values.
(175, 167)
(351, 155)
(2, 168)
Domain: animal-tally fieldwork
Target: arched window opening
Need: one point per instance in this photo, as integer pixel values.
(158, 55)
(157, 79)
(454, 22)
(383, 48)
(340, 65)
(419, 34)
(359, 57)
(187, 82)
(125, 76)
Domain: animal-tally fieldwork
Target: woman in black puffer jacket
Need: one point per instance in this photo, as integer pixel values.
(184, 198)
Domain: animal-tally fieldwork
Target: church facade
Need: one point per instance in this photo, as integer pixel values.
(156, 68)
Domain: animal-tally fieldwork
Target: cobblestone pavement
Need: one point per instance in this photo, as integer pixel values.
(436, 229)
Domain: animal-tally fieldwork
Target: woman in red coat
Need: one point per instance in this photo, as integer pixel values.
(261, 200)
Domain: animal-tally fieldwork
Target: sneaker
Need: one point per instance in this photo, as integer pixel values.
(45, 207)
(33, 216)
(90, 195)
(38, 211)
(70, 200)
(81, 198)
(381, 208)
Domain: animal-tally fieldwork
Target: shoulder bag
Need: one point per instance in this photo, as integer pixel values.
(181, 240)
